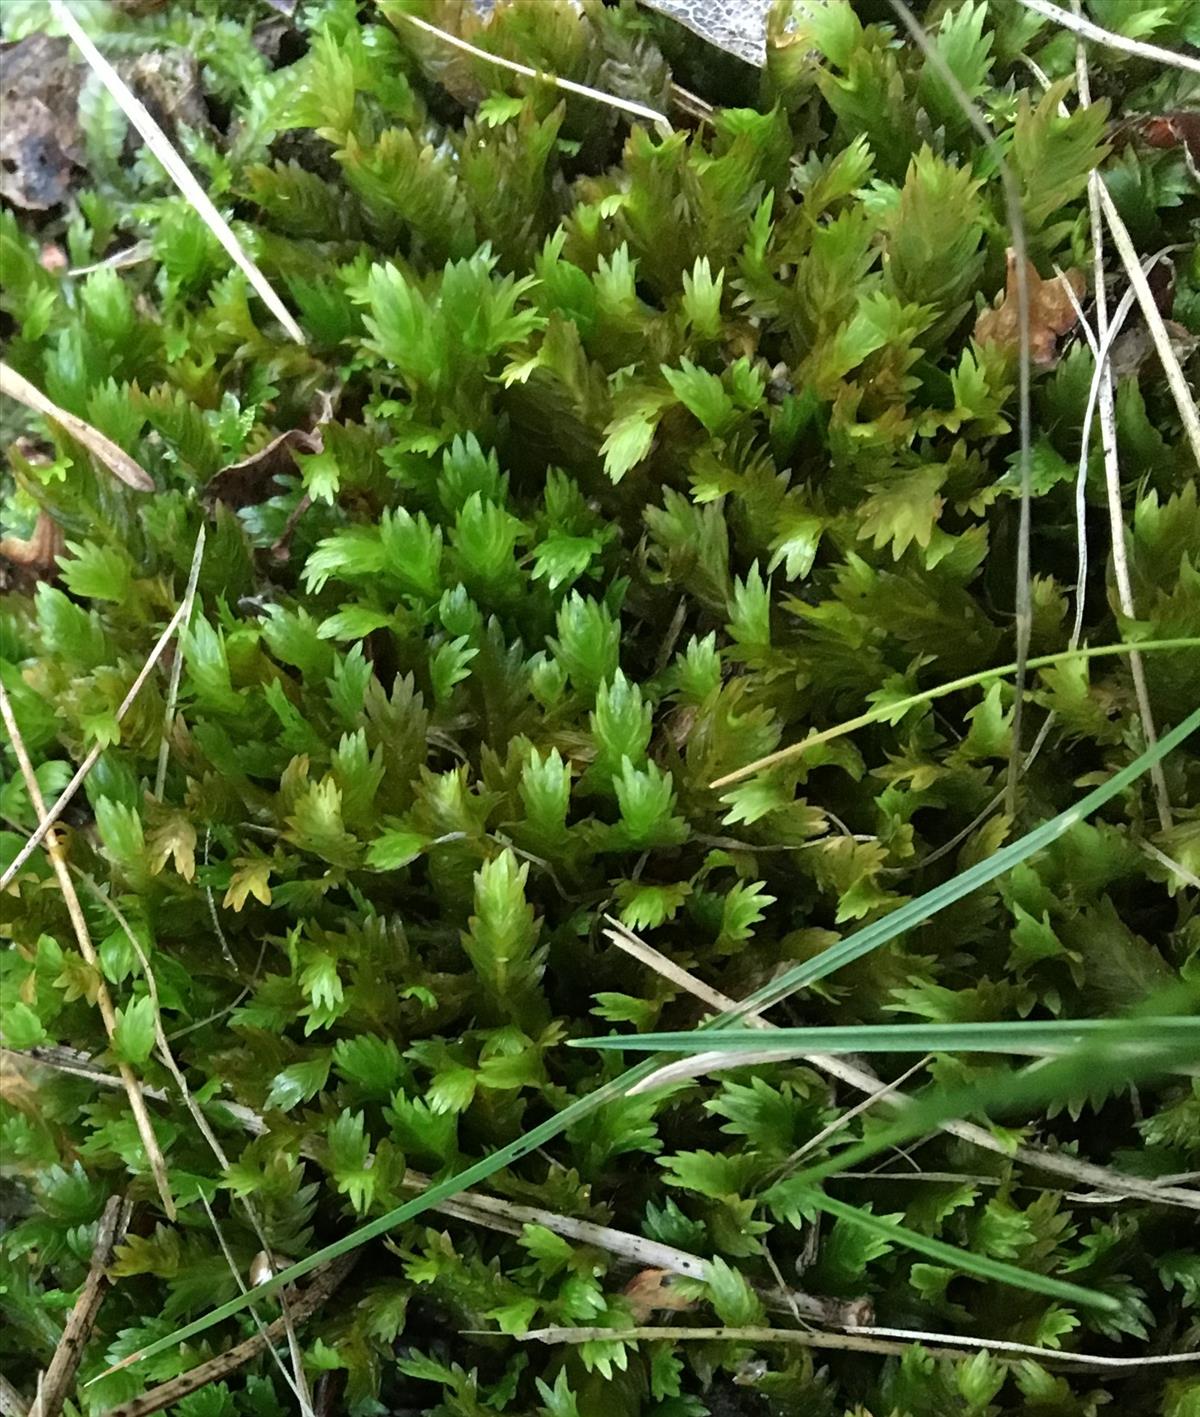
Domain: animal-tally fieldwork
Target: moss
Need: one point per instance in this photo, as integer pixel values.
(614, 460)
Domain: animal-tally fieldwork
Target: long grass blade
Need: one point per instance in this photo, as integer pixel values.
(1081, 1071)
(969, 1261)
(1025, 1036)
(875, 935)
(916, 912)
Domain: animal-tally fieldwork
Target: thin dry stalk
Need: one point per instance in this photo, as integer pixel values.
(1100, 1178)
(103, 449)
(624, 938)
(1087, 29)
(47, 822)
(1189, 878)
(59, 1377)
(873, 1341)
(298, 1383)
(104, 1003)
(839, 1124)
(1176, 379)
(304, 1306)
(119, 260)
(1001, 1346)
(159, 144)
(626, 105)
(495, 1213)
(1112, 468)
(67, 1060)
(189, 600)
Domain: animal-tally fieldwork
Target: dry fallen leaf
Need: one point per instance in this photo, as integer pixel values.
(1051, 312)
(41, 145)
(39, 553)
(245, 483)
(116, 459)
(650, 1290)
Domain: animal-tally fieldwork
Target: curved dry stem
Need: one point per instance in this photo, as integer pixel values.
(83, 937)
(625, 105)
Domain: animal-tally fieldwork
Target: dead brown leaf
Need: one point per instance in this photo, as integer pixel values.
(41, 144)
(246, 483)
(1051, 312)
(650, 1290)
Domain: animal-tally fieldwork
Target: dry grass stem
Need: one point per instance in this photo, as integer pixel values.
(1087, 29)
(47, 822)
(626, 105)
(1102, 389)
(158, 143)
(1000, 1346)
(103, 449)
(1185, 401)
(104, 1003)
(189, 600)
(495, 1213)
(872, 1341)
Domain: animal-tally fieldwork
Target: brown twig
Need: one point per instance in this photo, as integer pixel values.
(60, 1375)
(176, 1389)
(104, 1003)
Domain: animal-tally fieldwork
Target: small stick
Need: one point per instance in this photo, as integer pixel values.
(56, 1382)
(179, 172)
(104, 1003)
(103, 449)
(509, 1217)
(175, 1390)
(48, 820)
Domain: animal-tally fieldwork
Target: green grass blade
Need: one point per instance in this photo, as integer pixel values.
(873, 936)
(1077, 1073)
(981, 1266)
(1026, 1036)
(898, 707)
(916, 912)
(433, 1195)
